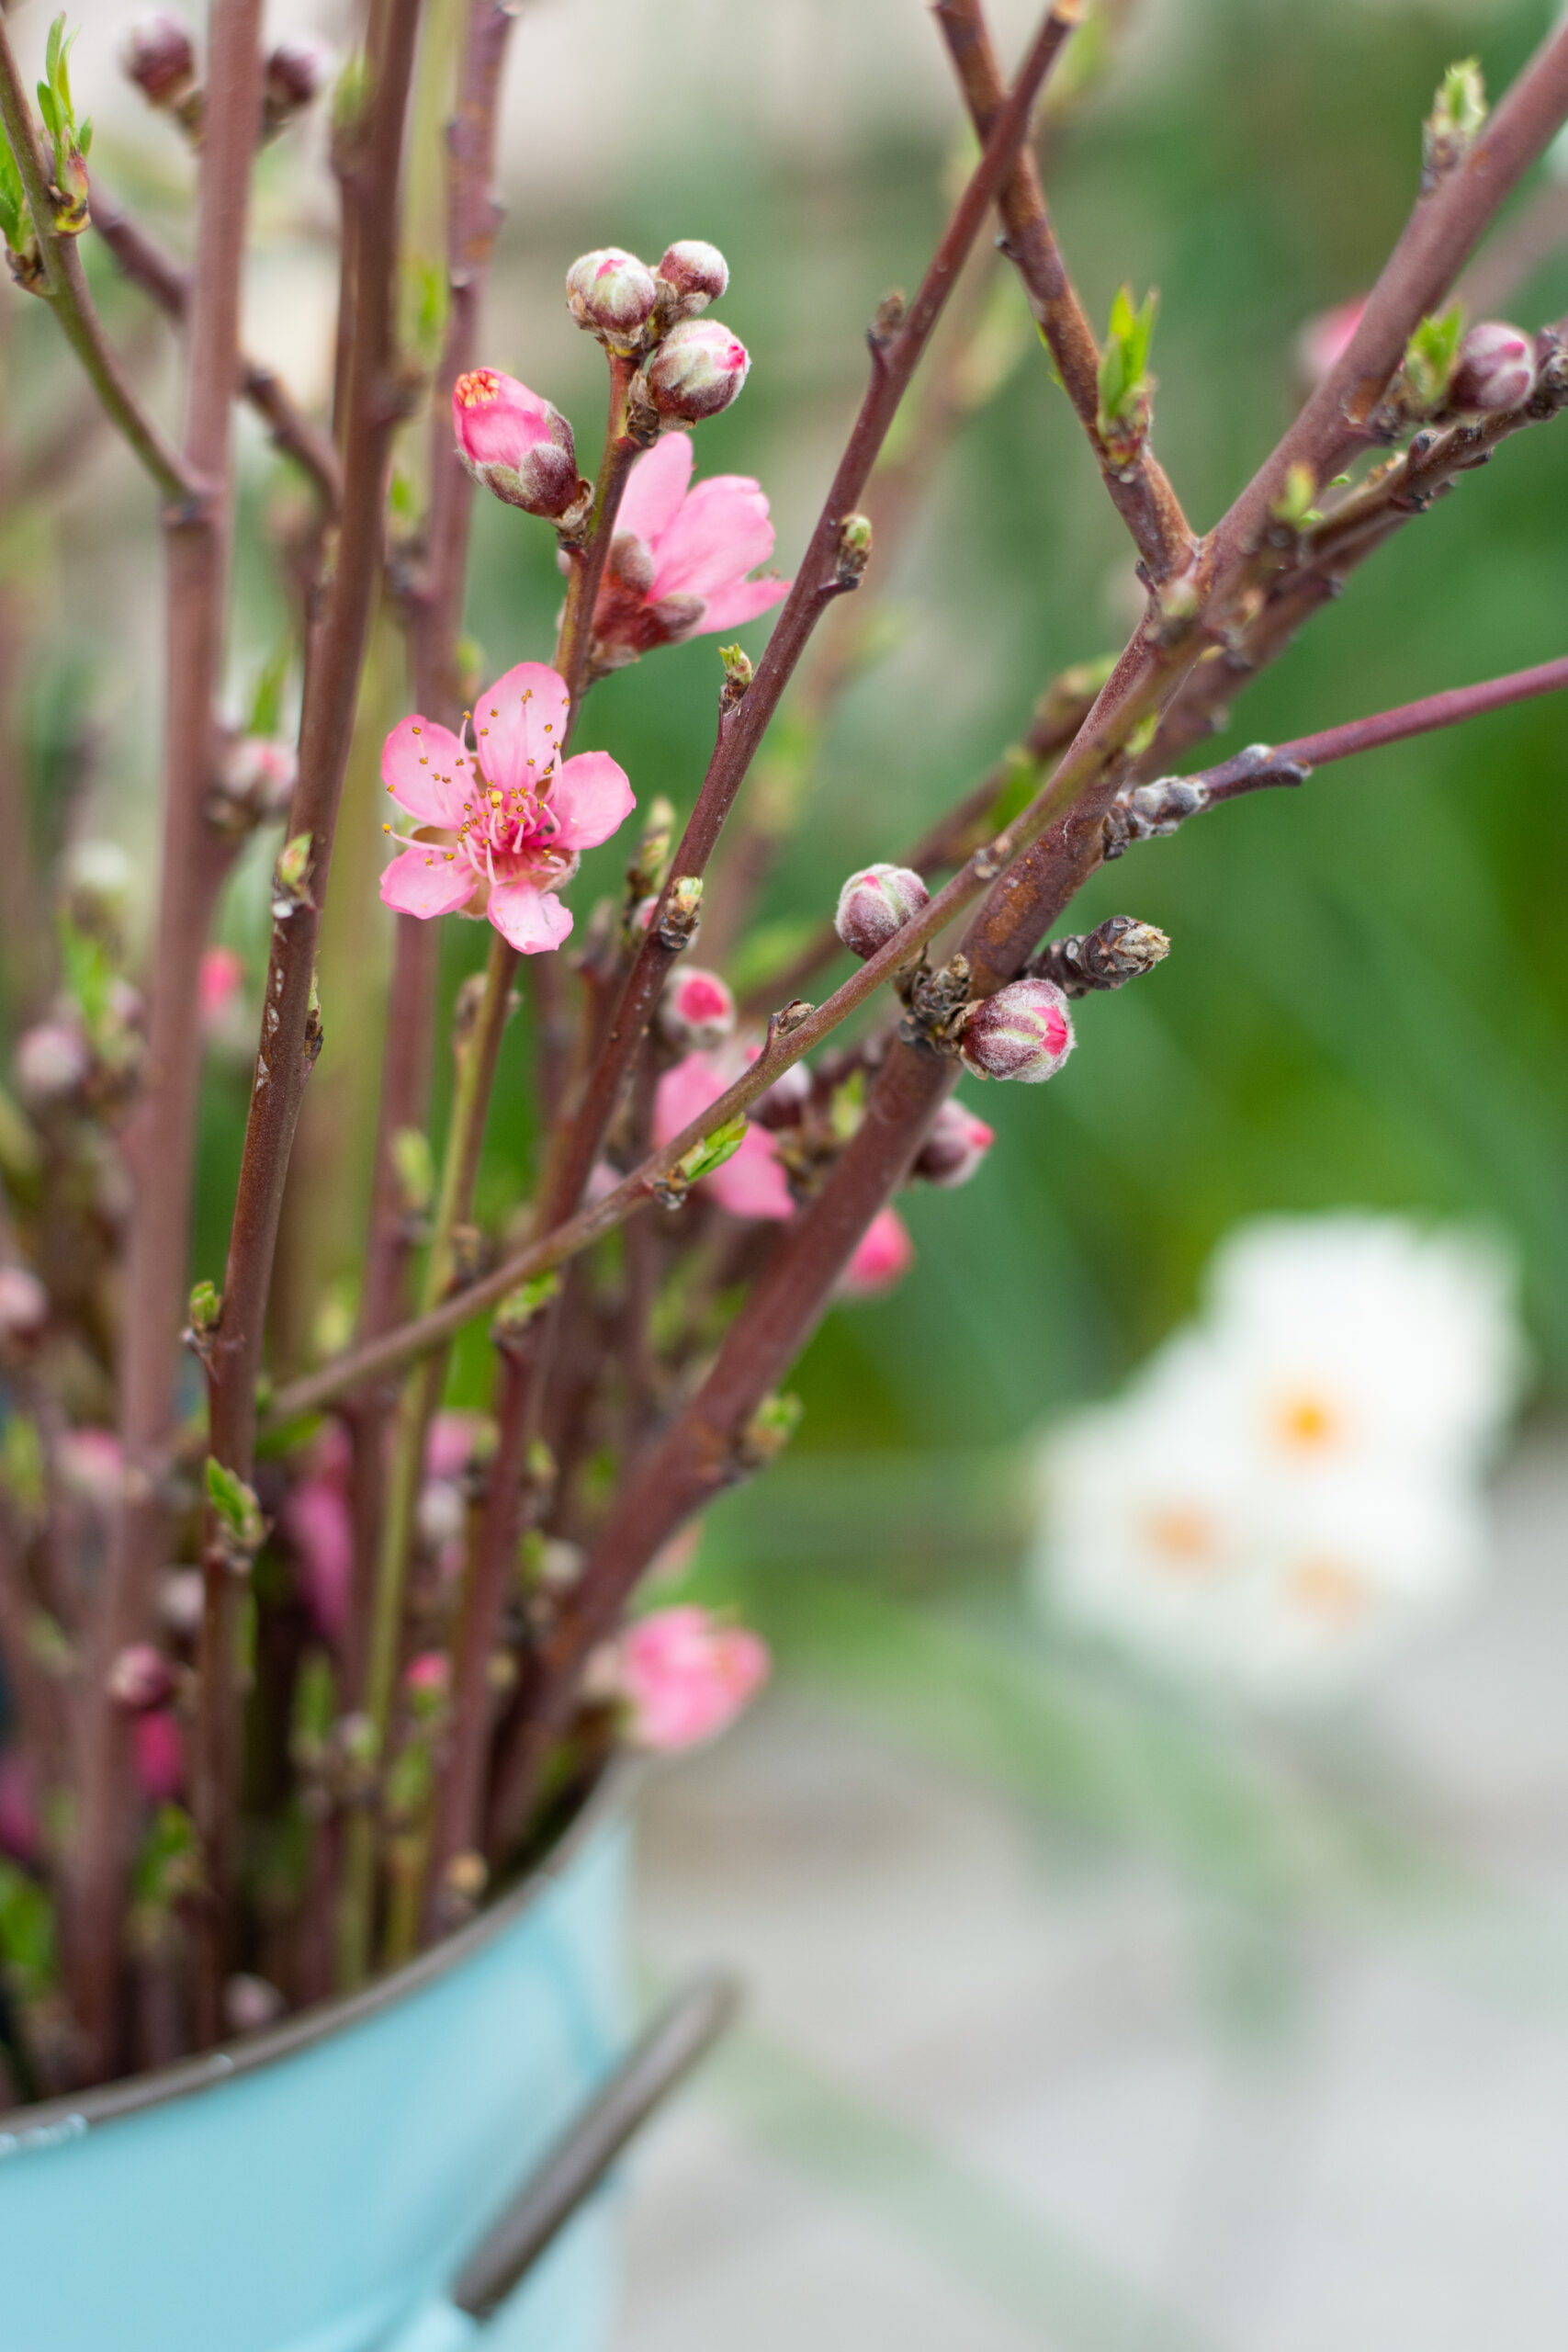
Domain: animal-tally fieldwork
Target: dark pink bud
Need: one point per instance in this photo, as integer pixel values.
(140, 1677)
(956, 1147)
(877, 903)
(158, 1752)
(697, 369)
(612, 294)
(514, 443)
(695, 274)
(427, 1680)
(696, 1013)
(160, 58)
(1023, 1032)
(24, 1303)
(297, 71)
(1495, 369)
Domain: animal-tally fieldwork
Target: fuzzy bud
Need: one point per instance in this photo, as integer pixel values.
(159, 56)
(956, 1145)
(24, 1303)
(1023, 1031)
(515, 444)
(785, 1100)
(1495, 369)
(52, 1059)
(695, 274)
(140, 1677)
(612, 294)
(295, 77)
(427, 1681)
(697, 369)
(877, 903)
(697, 1012)
(249, 2003)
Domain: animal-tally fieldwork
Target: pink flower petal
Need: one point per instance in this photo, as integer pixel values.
(656, 486)
(531, 921)
(317, 1523)
(721, 532)
(450, 1444)
(158, 1752)
(426, 770)
(686, 1678)
(520, 725)
(683, 1092)
(730, 606)
(425, 882)
(592, 799)
(751, 1182)
(884, 1256)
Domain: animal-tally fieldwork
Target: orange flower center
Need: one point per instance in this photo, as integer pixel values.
(1327, 1589)
(1183, 1537)
(478, 389)
(1305, 1423)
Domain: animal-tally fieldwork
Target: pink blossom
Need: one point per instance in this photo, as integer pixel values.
(317, 1521)
(751, 1183)
(158, 1750)
(680, 558)
(91, 1462)
(24, 1303)
(697, 1010)
(883, 1257)
(219, 981)
(517, 816)
(1326, 338)
(514, 443)
(685, 1678)
(450, 1446)
(18, 1812)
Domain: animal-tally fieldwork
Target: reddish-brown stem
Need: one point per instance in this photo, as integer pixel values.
(146, 263)
(1139, 489)
(160, 1142)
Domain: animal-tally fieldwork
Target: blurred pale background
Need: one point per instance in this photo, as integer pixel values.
(1084, 2015)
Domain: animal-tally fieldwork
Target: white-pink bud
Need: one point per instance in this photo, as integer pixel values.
(697, 369)
(1495, 368)
(695, 273)
(249, 2003)
(956, 1145)
(696, 1012)
(514, 443)
(140, 1677)
(875, 903)
(612, 294)
(24, 1303)
(52, 1059)
(295, 74)
(1023, 1031)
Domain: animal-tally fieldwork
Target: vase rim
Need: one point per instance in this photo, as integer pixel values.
(48, 2121)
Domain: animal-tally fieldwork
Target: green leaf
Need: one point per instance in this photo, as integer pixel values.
(89, 976)
(1430, 356)
(235, 1504)
(27, 1934)
(520, 1306)
(21, 1461)
(265, 717)
(722, 1144)
(1124, 365)
(168, 1867)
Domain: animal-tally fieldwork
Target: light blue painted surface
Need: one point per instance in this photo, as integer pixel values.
(320, 2203)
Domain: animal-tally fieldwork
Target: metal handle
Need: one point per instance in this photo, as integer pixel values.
(572, 2169)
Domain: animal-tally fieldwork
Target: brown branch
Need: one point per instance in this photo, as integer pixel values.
(1139, 489)
(149, 264)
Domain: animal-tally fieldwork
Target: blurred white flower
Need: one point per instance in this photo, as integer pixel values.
(1292, 1486)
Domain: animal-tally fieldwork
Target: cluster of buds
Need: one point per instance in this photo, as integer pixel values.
(875, 904)
(1023, 1031)
(693, 367)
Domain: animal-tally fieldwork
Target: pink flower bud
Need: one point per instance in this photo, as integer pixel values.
(612, 294)
(1023, 1031)
(24, 1303)
(220, 978)
(181, 1601)
(883, 1257)
(697, 369)
(91, 1464)
(52, 1059)
(1495, 369)
(697, 1012)
(158, 1753)
(249, 2003)
(139, 1677)
(427, 1680)
(695, 274)
(877, 903)
(297, 71)
(956, 1147)
(685, 1677)
(159, 56)
(256, 780)
(514, 443)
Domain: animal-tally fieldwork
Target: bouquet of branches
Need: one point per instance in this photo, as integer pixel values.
(296, 1665)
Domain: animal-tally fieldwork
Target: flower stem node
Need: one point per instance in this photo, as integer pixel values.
(768, 1431)
(690, 275)
(289, 873)
(1150, 810)
(611, 295)
(1494, 370)
(955, 1148)
(697, 371)
(1458, 113)
(1023, 1031)
(682, 911)
(696, 1012)
(855, 550)
(875, 904)
(934, 1003)
(237, 1517)
(1115, 952)
(739, 674)
(517, 445)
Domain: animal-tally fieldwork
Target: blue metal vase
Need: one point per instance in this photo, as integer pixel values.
(317, 2187)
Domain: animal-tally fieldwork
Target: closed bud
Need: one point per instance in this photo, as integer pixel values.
(1023, 1031)
(159, 56)
(427, 1682)
(251, 2003)
(875, 904)
(696, 1012)
(515, 444)
(683, 910)
(694, 274)
(140, 1677)
(24, 1303)
(697, 369)
(53, 1058)
(1495, 369)
(612, 294)
(956, 1147)
(296, 75)
(785, 1100)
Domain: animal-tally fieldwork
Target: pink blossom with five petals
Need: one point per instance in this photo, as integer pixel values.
(680, 560)
(502, 827)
